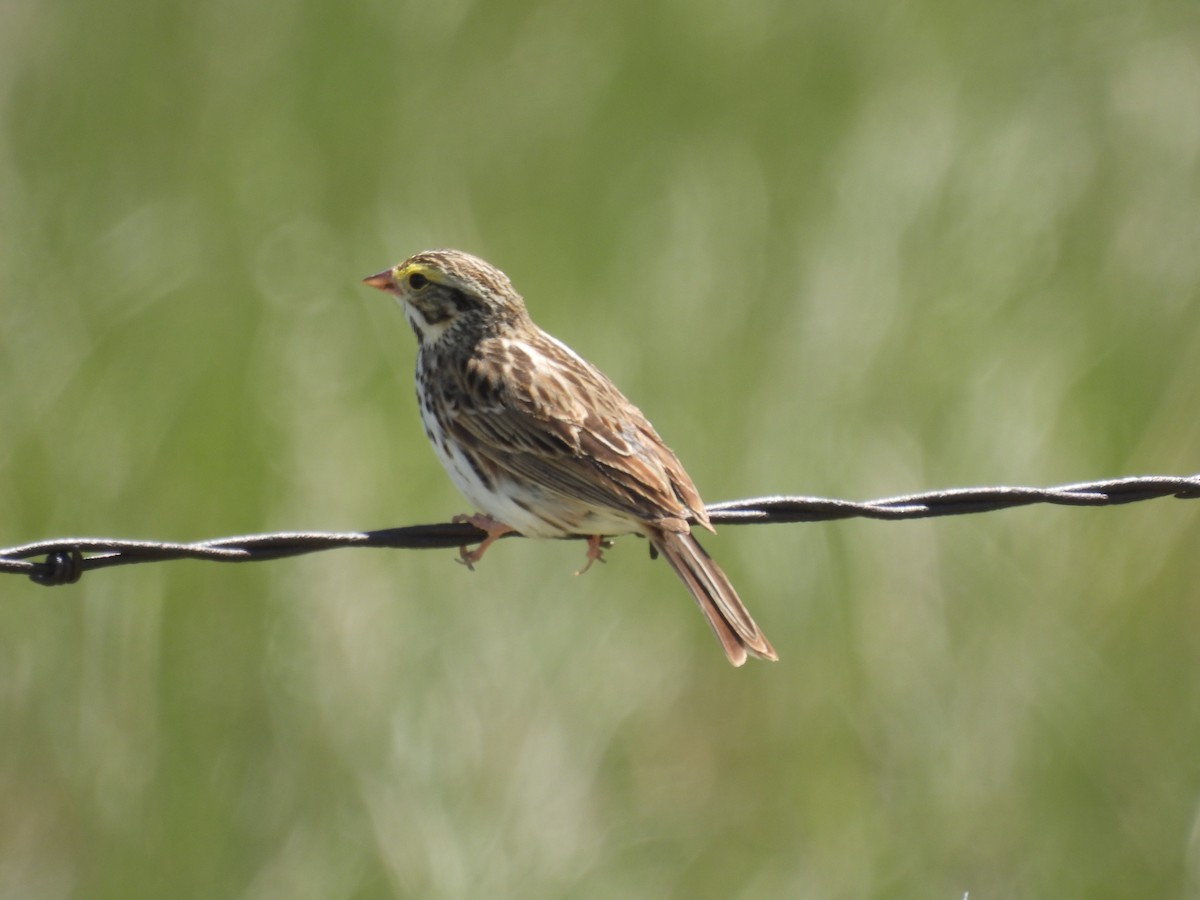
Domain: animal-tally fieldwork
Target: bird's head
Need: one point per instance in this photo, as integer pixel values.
(448, 291)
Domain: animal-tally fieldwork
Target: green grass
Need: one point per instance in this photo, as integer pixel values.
(841, 250)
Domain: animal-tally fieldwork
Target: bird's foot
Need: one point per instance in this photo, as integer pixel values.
(595, 553)
(494, 529)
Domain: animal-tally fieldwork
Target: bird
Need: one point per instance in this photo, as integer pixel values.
(541, 442)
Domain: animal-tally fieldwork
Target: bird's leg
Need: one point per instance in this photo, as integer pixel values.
(494, 531)
(595, 553)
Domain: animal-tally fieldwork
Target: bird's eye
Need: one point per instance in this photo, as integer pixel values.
(416, 281)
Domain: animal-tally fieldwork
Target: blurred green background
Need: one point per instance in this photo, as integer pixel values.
(836, 249)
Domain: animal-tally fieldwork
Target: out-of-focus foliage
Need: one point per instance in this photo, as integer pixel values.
(842, 249)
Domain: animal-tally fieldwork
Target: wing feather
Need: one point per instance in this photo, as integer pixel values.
(570, 430)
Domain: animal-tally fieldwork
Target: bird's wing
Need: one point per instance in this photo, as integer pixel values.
(535, 408)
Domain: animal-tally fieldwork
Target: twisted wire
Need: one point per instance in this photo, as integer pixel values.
(64, 560)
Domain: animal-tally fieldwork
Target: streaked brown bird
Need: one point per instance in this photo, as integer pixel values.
(541, 442)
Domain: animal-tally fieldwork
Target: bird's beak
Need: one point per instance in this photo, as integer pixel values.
(383, 280)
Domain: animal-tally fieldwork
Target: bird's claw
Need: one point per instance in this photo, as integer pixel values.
(596, 547)
(487, 524)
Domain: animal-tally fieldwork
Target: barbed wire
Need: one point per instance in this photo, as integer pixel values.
(64, 560)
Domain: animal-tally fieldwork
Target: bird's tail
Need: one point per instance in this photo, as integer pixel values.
(728, 618)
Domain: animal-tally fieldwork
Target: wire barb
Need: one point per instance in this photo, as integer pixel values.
(66, 559)
(59, 567)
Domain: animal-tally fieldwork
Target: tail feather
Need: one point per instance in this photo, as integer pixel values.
(715, 595)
